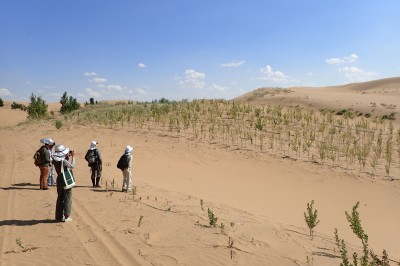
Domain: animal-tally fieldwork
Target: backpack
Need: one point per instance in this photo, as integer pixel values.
(91, 157)
(123, 162)
(37, 157)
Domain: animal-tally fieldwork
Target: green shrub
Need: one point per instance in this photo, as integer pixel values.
(58, 124)
(68, 104)
(37, 108)
(1, 102)
(20, 106)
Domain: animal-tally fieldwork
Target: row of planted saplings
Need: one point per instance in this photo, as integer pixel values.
(369, 144)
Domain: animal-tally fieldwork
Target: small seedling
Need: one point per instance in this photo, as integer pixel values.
(212, 218)
(19, 243)
(230, 246)
(140, 220)
(202, 204)
(311, 218)
(222, 228)
(133, 192)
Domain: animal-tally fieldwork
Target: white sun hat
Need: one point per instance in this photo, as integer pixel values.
(60, 152)
(93, 145)
(47, 141)
(128, 150)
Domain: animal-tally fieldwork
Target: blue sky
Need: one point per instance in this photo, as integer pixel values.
(184, 49)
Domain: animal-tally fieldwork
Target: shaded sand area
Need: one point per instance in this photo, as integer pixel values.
(259, 199)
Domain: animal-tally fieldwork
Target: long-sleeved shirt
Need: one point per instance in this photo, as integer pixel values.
(45, 156)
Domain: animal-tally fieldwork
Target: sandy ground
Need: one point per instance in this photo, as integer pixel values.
(259, 198)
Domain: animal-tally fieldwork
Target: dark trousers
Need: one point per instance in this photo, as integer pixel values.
(64, 201)
(96, 173)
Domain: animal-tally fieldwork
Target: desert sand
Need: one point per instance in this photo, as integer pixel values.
(259, 197)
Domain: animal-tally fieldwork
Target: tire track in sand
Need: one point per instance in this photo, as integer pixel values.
(98, 241)
(8, 158)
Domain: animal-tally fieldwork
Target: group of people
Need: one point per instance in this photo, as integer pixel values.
(63, 159)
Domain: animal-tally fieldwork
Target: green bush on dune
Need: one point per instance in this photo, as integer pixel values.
(37, 107)
(68, 104)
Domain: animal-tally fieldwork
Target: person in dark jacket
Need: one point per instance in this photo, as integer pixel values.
(95, 162)
(64, 196)
(45, 165)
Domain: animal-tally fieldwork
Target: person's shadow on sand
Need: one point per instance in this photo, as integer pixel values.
(26, 222)
(28, 186)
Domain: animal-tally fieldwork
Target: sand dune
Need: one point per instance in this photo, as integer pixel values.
(376, 98)
(258, 197)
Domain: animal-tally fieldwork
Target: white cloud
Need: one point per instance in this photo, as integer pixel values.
(114, 87)
(90, 74)
(141, 91)
(275, 76)
(92, 93)
(233, 64)
(4, 92)
(141, 65)
(98, 80)
(356, 74)
(219, 88)
(346, 59)
(193, 79)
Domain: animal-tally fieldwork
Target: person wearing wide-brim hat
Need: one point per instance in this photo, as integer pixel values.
(45, 162)
(126, 172)
(64, 196)
(51, 182)
(95, 162)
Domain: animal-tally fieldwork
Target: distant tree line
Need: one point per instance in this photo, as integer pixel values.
(91, 102)
(38, 108)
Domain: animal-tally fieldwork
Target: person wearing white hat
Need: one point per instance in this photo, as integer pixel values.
(126, 169)
(64, 196)
(45, 162)
(95, 162)
(51, 181)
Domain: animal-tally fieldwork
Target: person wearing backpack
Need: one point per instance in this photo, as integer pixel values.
(125, 165)
(43, 162)
(93, 157)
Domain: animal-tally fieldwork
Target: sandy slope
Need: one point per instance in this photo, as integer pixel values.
(377, 98)
(259, 198)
